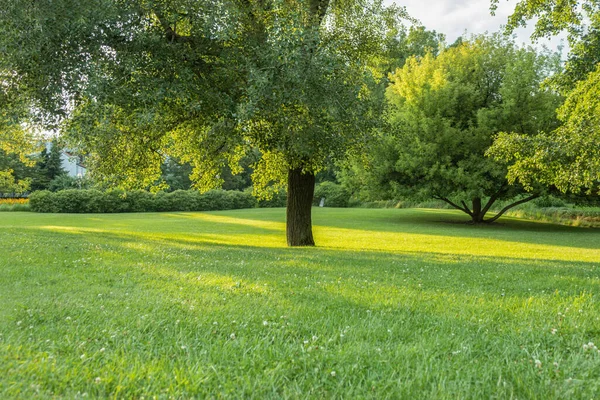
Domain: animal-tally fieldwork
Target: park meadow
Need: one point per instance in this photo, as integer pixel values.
(392, 303)
(300, 199)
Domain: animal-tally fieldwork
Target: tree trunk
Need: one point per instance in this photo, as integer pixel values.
(477, 215)
(300, 192)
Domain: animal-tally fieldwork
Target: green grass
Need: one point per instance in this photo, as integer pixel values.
(392, 304)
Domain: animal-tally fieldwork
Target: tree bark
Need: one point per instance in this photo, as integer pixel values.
(300, 193)
(477, 215)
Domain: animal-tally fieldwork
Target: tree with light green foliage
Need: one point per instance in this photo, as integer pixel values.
(205, 82)
(15, 137)
(444, 113)
(568, 157)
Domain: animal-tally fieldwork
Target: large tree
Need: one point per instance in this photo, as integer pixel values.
(206, 82)
(568, 157)
(444, 112)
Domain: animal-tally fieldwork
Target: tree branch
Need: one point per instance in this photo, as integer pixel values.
(465, 210)
(492, 200)
(508, 207)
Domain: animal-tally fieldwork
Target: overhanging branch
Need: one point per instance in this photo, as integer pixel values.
(508, 207)
(463, 209)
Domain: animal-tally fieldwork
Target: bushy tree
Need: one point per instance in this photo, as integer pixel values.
(567, 158)
(444, 114)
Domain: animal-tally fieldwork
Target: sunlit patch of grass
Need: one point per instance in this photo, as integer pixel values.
(391, 304)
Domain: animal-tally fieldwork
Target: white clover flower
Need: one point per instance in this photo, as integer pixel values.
(232, 336)
(314, 338)
(102, 350)
(98, 379)
(306, 342)
(332, 373)
(265, 323)
(553, 331)
(538, 363)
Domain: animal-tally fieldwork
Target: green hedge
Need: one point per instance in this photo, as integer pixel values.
(118, 201)
(278, 200)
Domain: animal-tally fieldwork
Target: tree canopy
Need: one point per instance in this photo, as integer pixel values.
(444, 113)
(566, 158)
(205, 82)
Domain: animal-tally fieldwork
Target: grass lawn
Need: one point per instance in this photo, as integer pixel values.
(392, 304)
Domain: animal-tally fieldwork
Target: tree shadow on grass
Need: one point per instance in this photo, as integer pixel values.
(446, 223)
(436, 271)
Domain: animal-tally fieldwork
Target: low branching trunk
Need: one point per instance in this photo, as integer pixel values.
(477, 213)
(301, 189)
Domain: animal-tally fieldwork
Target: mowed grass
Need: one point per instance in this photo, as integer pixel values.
(391, 304)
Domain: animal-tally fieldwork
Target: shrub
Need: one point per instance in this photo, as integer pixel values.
(182, 200)
(113, 201)
(139, 201)
(44, 201)
(217, 200)
(79, 201)
(335, 195)
(116, 201)
(278, 200)
(240, 200)
(161, 202)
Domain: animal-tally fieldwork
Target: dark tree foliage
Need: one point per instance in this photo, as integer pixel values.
(205, 82)
(48, 166)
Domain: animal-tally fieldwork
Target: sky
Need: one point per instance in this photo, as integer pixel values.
(453, 17)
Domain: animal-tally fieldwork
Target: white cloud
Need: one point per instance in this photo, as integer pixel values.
(453, 17)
